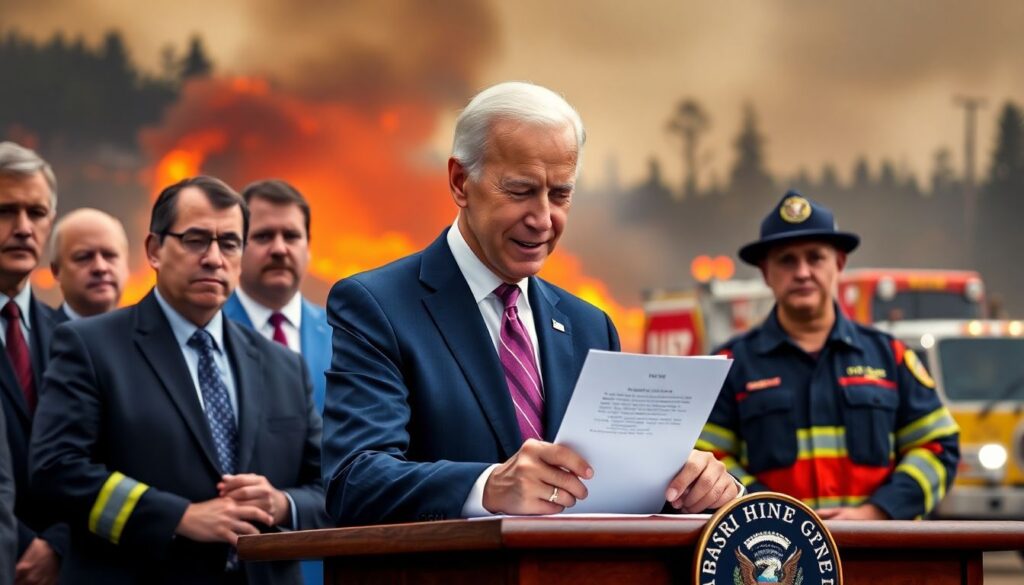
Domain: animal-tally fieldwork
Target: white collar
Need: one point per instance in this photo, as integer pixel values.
(260, 315)
(183, 328)
(24, 301)
(481, 280)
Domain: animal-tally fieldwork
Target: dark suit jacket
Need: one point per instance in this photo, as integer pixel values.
(35, 519)
(119, 398)
(60, 315)
(8, 524)
(315, 340)
(417, 404)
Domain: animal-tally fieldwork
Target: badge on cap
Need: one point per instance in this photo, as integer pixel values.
(795, 209)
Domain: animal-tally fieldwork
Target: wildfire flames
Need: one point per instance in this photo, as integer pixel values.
(375, 192)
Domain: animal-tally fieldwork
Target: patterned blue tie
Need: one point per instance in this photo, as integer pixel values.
(219, 415)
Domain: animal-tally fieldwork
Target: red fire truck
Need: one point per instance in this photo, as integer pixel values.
(872, 295)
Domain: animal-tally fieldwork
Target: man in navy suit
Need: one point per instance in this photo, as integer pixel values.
(166, 431)
(452, 368)
(273, 265)
(28, 203)
(268, 299)
(89, 260)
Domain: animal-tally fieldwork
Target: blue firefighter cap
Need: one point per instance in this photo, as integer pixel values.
(797, 218)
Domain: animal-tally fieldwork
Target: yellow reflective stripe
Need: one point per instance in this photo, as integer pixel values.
(922, 481)
(720, 438)
(126, 510)
(929, 464)
(114, 505)
(938, 423)
(834, 501)
(101, 500)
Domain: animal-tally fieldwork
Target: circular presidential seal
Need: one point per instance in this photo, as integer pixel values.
(766, 538)
(795, 209)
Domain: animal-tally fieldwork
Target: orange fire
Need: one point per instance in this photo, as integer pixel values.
(375, 191)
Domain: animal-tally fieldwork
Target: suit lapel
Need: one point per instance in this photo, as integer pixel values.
(42, 331)
(9, 382)
(313, 329)
(554, 336)
(453, 310)
(247, 369)
(156, 342)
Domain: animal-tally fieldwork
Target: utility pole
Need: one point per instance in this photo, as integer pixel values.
(971, 105)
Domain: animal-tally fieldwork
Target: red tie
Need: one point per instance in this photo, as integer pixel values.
(277, 319)
(17, 351)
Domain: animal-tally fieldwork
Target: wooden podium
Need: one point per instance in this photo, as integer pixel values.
(617, 550)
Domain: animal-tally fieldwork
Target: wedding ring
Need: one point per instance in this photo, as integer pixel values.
(554, 496)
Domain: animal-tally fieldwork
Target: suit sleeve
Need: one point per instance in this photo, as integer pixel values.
(66, 464)
(927, 444)
(367, 468)
(308, 493)
(720, 434)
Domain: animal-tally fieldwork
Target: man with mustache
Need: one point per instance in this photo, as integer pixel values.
(165, 431)
(453, 367)
(837, 414)
(273, 266)
(268, 298)
(90, 263)
(28, 203)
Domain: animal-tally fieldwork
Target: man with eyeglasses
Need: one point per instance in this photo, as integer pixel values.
(165, 430)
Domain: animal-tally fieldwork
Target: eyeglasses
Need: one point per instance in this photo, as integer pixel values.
(198, 242)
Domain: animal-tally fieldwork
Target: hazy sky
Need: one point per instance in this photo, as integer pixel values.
(829, 80)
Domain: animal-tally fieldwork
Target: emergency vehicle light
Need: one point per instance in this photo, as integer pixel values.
(992, 456)
(927, 340)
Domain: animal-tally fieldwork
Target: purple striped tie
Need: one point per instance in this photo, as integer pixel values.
(517, 359)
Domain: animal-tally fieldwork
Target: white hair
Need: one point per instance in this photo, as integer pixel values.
(511, 100)
(22, 162)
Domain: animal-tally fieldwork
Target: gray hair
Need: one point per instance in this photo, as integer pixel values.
(513, 100)
(19, 161)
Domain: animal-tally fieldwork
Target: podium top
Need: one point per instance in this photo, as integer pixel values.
(595, 533)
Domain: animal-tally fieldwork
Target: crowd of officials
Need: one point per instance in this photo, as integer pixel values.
(141, 442)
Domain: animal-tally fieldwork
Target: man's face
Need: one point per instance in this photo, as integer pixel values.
(277, 253)
(91, 264)
(25, 220)
(197, 283)
(514, 212)
(803, 277)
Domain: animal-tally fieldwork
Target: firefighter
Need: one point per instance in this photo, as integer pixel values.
(837, 414)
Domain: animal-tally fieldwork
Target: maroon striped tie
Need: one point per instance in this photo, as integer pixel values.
(517, 359)
(17, 351)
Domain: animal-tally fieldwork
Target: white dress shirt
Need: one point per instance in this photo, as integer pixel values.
(24, 301)
(71, 313)
(482, 283)
(260, 317)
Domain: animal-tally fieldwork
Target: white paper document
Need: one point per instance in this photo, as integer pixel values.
(635, 418)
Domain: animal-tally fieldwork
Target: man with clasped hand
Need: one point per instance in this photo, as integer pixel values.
(165, 431)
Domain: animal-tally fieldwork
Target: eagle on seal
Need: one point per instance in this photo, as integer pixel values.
(772, 572)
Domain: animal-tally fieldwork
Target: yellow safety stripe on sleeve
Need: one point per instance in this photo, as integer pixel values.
(926, 469)
(114, 505)
(734, 468)
(937, 424)
(834, 501)
(716, 438)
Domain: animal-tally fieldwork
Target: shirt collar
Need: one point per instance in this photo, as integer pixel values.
(183, 328)
(260, 314)
(24, 301)
(772, 335)
(481, 280)
(71, 313)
